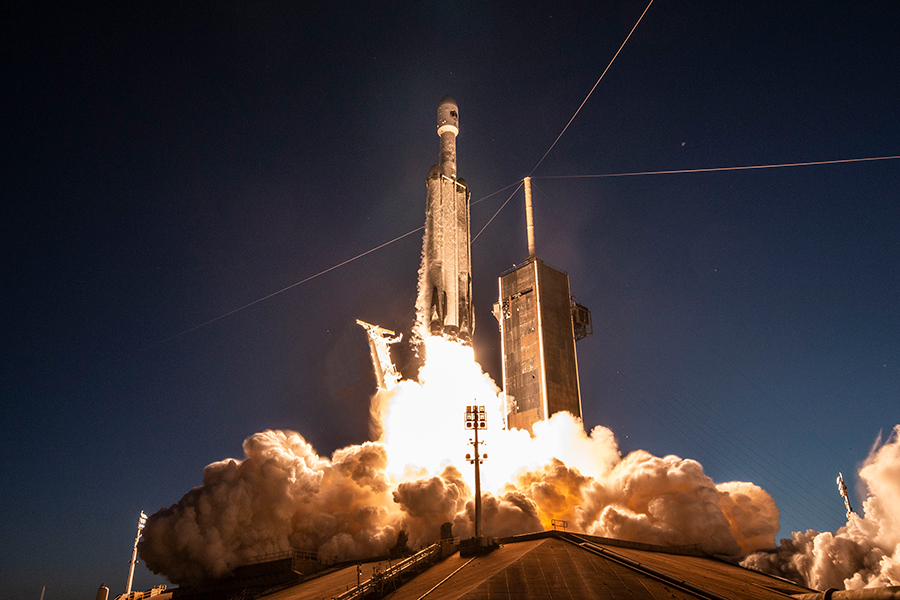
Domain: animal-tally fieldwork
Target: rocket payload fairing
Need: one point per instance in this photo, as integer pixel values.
(444, 305)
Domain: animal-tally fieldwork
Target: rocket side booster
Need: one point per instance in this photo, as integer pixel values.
(444, 305)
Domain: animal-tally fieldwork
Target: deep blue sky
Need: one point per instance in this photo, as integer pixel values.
(166, 163)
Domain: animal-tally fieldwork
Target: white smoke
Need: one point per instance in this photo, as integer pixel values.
(420, 327)
(283, 495)
(863, 553)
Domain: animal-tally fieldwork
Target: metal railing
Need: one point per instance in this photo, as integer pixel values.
(528, 261)
(157, 590)
(381, 579)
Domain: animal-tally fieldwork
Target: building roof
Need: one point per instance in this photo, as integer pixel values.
(557, 565)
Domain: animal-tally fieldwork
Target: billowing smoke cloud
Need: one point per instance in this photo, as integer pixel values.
(670, 501)
(283, 495)
(431, 502)
(863, 553)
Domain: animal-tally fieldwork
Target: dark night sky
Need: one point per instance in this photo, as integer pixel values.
(166, 163)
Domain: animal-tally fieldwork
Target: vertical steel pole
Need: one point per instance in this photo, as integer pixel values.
(142, 520)
(478, 528)
(133, 562)
(529, 217)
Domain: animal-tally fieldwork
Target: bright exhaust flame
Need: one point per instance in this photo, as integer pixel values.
(423, 422)
(282, 495)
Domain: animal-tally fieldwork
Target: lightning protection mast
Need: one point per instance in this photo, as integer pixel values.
(842, 488)
(539, 326)
(141, 522)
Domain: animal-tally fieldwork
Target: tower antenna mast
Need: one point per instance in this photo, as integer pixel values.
(142, 520)
(842, 488)
(529, 218)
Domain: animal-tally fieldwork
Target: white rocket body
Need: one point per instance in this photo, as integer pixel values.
(444, 305)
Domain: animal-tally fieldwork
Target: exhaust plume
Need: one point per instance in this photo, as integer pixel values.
(281, 496)
(414, 478)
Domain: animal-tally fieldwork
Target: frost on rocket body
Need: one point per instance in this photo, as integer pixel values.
(415, 478)
(863, 553)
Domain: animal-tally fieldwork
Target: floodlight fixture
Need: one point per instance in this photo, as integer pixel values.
(476, 419)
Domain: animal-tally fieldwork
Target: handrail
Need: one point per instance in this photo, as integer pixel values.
(379, 578)
(528, 261)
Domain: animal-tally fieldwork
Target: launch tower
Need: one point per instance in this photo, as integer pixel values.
(539, 325)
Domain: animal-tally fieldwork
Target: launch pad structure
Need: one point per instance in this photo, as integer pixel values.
(380, 339)
(540, 366)
(539, 325)
(539, 321)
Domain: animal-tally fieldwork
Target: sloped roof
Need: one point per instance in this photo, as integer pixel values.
(557, 565)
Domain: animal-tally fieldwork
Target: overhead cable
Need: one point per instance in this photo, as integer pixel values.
(715, 169)
(592, 89)
(496, 213)
(324, 271)
(284, 289)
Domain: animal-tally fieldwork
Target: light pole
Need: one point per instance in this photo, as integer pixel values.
(141, 522)
(476, 418)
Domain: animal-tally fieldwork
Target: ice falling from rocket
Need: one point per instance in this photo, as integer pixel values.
(444, 304)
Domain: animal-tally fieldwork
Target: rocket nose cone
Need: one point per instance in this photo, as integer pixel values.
(448, 116)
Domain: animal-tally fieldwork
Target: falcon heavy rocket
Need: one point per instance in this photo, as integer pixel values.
(444, 304)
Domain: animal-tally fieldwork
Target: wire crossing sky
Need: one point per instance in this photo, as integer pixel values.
(167, 162)
(518, 184)
(599, 79)
(717, 169)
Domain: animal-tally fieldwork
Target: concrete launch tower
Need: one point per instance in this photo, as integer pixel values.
(539, 325)
(444, 304)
